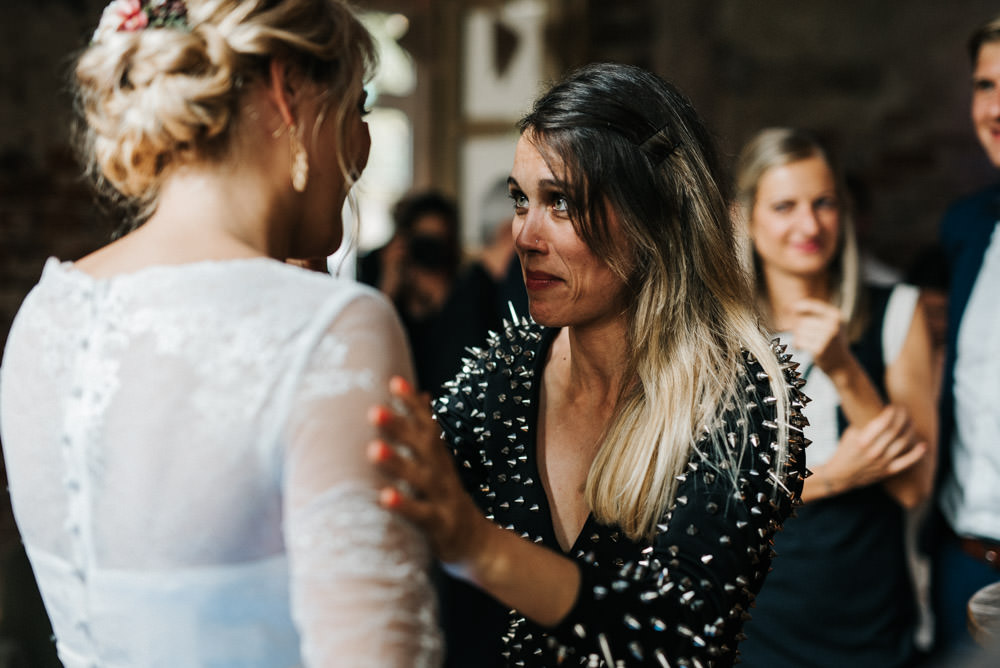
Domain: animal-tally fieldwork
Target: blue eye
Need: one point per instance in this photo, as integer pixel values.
(519, 200)
(560, 204)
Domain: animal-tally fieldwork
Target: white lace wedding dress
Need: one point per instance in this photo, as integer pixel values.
(185, 448)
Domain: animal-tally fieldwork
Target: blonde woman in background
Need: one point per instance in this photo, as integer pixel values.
(183, 412)
(842, 594)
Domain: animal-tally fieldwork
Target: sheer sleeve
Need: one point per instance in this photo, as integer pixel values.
(686, 600)
(360, 590)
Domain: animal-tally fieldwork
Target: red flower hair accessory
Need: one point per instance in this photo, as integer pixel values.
(135, 15)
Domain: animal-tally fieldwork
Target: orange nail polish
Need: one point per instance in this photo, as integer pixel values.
(379, 415)
(389, 497)
(384, 451)
(399, 385)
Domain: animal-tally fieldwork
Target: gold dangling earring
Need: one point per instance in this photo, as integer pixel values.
(300, 161)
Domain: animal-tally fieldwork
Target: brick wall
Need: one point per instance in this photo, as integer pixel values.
(45, 209)
(886, 82)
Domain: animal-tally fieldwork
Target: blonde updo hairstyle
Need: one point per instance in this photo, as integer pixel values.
(155, 98)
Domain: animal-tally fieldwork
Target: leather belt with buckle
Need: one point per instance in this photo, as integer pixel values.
(982, 550)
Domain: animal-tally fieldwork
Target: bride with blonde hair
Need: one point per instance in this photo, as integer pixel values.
(182, 410)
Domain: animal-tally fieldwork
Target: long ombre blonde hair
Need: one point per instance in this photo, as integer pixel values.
(774, 147)
(627, 140)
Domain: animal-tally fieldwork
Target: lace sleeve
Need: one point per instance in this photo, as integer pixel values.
(361, 595)
(684, 603)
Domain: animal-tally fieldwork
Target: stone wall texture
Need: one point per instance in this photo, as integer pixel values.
(885, 82)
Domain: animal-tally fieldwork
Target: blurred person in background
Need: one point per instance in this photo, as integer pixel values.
(496, 257)
(967, 537)
(841, 593)
(446, 306)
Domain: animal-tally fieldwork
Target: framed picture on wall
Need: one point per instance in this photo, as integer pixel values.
(502, 69)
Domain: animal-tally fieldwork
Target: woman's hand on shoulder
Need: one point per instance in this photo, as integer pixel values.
(425, 488)
(884, 447)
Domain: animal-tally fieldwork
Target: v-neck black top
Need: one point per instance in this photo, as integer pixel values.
(680, 600)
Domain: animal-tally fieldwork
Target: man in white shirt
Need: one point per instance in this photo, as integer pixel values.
(967, 553)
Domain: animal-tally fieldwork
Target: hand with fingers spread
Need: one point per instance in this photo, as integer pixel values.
(880, 449)
(425, 487)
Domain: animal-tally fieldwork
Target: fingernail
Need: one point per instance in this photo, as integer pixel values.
(389, 497)
(378, 451)
(399, 385)
(378, 415)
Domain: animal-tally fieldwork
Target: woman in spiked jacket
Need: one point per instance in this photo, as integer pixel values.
(634, 448)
